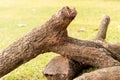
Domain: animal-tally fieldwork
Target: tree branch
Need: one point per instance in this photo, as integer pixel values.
(86, 54)
(37, 41)
(101, 35)
(110, 73)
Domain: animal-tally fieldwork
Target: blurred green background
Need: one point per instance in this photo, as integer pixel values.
(18, 17)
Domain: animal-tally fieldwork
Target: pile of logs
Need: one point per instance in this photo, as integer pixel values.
(76, 55)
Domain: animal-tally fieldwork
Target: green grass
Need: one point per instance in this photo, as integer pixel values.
(36, 12)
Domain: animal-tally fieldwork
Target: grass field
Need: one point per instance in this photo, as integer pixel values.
(34, 13)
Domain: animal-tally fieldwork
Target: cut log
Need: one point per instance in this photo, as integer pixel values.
(110, 73)
(61, 68)
(37, 41)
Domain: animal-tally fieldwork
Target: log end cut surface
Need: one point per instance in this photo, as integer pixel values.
(61, 68)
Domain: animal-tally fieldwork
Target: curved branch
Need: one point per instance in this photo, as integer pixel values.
(96, 57)
(110, 73)
(37, 41)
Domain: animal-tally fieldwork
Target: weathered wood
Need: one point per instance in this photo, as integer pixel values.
(61, 68)
(101, 35)
(52, 37)
(94, 53)
(115, 47)
(110, 73)
(37, 41)
(84, 52)
(115, 50)
(87, 55)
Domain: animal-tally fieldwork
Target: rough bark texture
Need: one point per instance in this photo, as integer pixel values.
(37, 41)
(114, 48)
(110, 73)
(52, 37)
(96, 57)
(61, 68)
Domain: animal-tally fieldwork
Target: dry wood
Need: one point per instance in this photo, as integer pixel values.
(103, 28)
(37, 41)
(61, 68)
(110, 73)
(114, 48)
(86, 54)
(89, 47)
(52, 37)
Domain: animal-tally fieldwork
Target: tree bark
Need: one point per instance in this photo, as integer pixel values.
(36, 42)
(115, 50)
(62, 68)
(110, 73)
(89, 48)
(92, 55)
(101, 35)
(52, 37)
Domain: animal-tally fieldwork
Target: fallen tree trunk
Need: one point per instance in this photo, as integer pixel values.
(52, 37)
(110, 73)
(37, 41)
